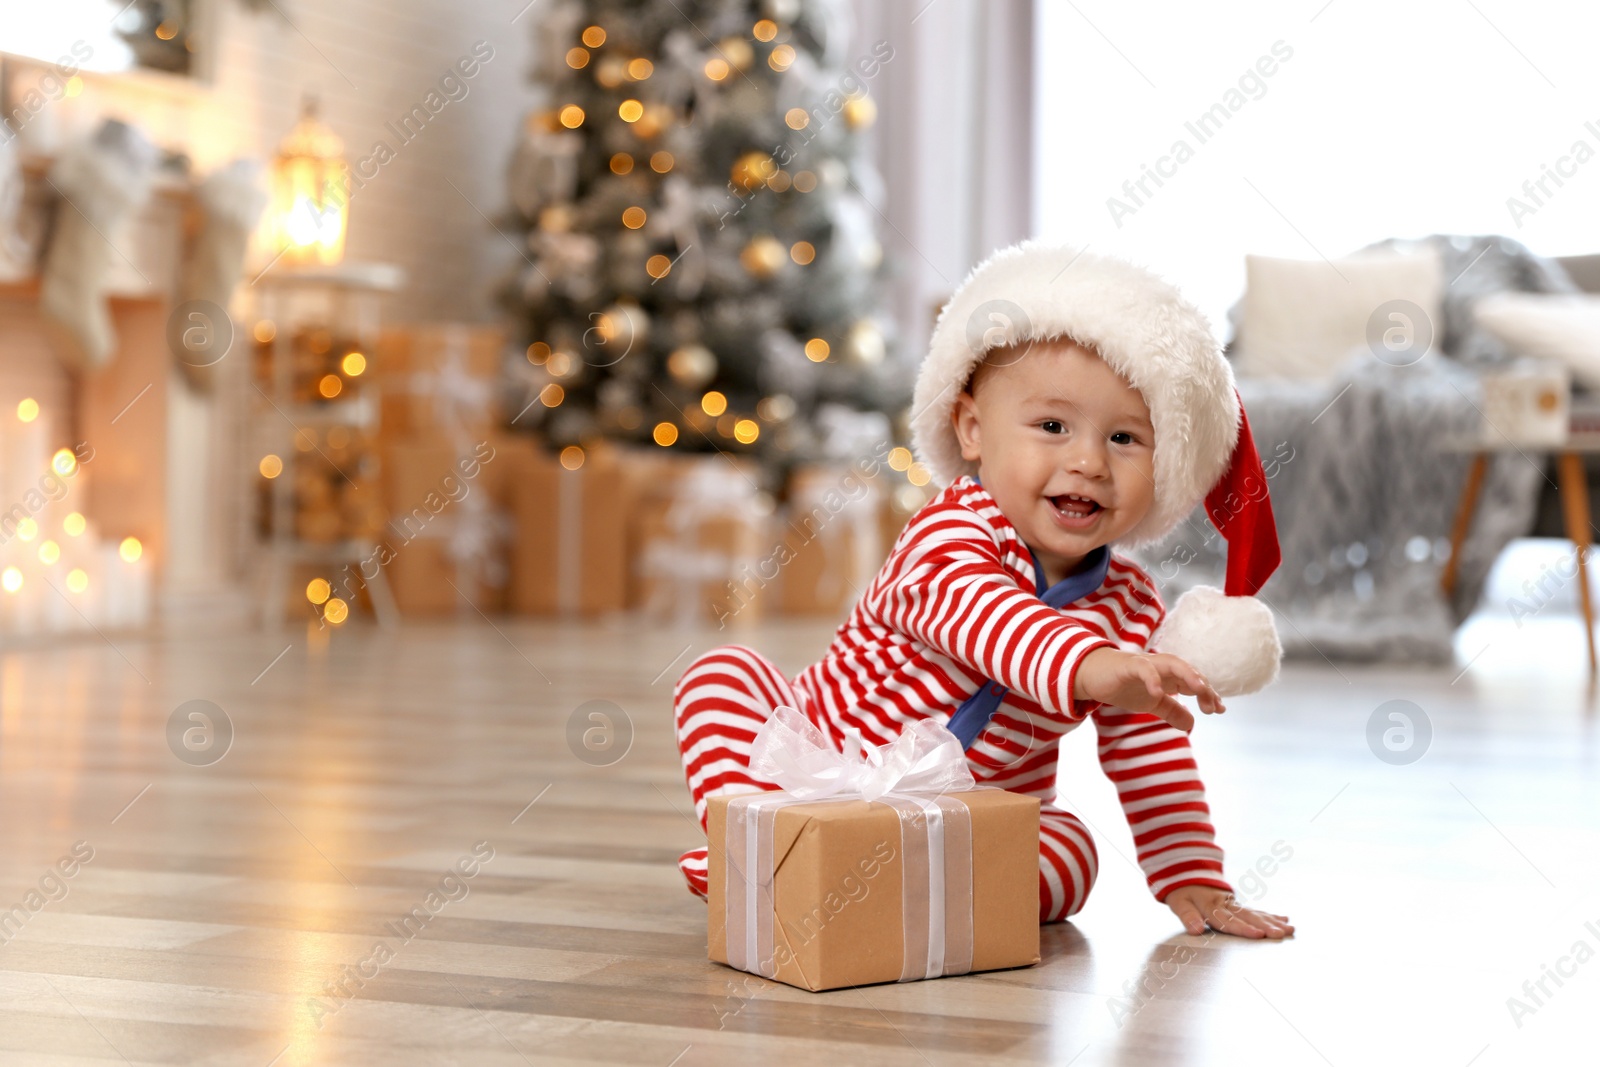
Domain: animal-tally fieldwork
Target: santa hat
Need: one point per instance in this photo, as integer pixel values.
(1162, 346)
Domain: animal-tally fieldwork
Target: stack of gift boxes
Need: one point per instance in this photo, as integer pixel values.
(486, 518)
(695, 538)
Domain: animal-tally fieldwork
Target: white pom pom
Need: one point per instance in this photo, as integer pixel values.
(1230, 640)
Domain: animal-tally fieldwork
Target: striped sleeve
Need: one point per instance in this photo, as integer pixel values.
(947, 587)
(1153, 768)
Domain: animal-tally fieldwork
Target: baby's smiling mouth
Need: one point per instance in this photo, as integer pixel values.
(1072, 505)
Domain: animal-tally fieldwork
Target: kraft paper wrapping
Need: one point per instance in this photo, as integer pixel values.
(891, 867)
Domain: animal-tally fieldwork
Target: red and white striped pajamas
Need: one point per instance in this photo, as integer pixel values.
(954, 605)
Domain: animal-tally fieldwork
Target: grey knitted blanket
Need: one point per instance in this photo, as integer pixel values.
(1363, 495)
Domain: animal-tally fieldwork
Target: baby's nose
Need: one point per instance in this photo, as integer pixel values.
(1087, 458)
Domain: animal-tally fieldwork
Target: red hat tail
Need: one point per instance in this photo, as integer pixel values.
(1241, 509)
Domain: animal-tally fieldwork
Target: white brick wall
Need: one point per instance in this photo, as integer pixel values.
(393, 51)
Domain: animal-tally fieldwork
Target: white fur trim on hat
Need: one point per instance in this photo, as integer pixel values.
(1231, 640)
(1140, 325)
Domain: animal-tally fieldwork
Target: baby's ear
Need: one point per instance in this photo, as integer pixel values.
(964, 420)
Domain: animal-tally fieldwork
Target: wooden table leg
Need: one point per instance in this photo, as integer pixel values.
(1575, 504)
(1458, 533)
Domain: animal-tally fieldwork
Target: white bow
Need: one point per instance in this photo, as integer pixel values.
(791, 752)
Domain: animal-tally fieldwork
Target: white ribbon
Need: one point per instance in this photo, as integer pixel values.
(569, 540)
(677, 560)
(912, 774)
(457, 395)
(793, 754)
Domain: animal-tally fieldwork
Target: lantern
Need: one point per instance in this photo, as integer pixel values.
(311, 192)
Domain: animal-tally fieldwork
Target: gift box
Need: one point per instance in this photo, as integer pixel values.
(1527, 402)
(892, 868)
(427, 578)
(833, 533)
(444, 542)
(699, 543)
(569, 547)
(439, 380)
(650, 482)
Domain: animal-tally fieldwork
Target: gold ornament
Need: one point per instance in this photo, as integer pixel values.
(653, 121)
(863, 344)
(557, 218)
(752, 169)
(776, 408)
(611, 72)
(737, 51)
(616, 332)
(763, 256)
(860, 112)
(692, 366)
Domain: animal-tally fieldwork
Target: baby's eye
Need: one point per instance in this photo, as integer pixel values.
(1126, 438)
(1051, 426)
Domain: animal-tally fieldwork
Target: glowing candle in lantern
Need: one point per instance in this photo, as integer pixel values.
(311, 192)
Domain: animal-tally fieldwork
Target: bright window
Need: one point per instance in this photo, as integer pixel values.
(1385, 120)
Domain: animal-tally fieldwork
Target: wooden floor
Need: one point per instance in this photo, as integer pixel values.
(248, 910)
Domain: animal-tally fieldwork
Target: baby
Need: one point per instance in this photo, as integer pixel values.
(1001, 610)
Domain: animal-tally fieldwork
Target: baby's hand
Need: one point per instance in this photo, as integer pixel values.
(1142, 681)
(1200, 906)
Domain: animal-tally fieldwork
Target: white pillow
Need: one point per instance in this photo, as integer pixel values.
(1302, 317)
(1564, 327)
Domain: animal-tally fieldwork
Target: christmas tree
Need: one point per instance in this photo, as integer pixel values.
(702, 268)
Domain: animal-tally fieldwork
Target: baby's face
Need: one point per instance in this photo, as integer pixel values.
(1050, 423)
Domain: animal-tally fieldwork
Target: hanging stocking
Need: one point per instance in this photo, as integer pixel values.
(102, 183)
(231, 199)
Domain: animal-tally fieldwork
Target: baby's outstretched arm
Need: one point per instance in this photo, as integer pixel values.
(1144, 753)
(1144, 682)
